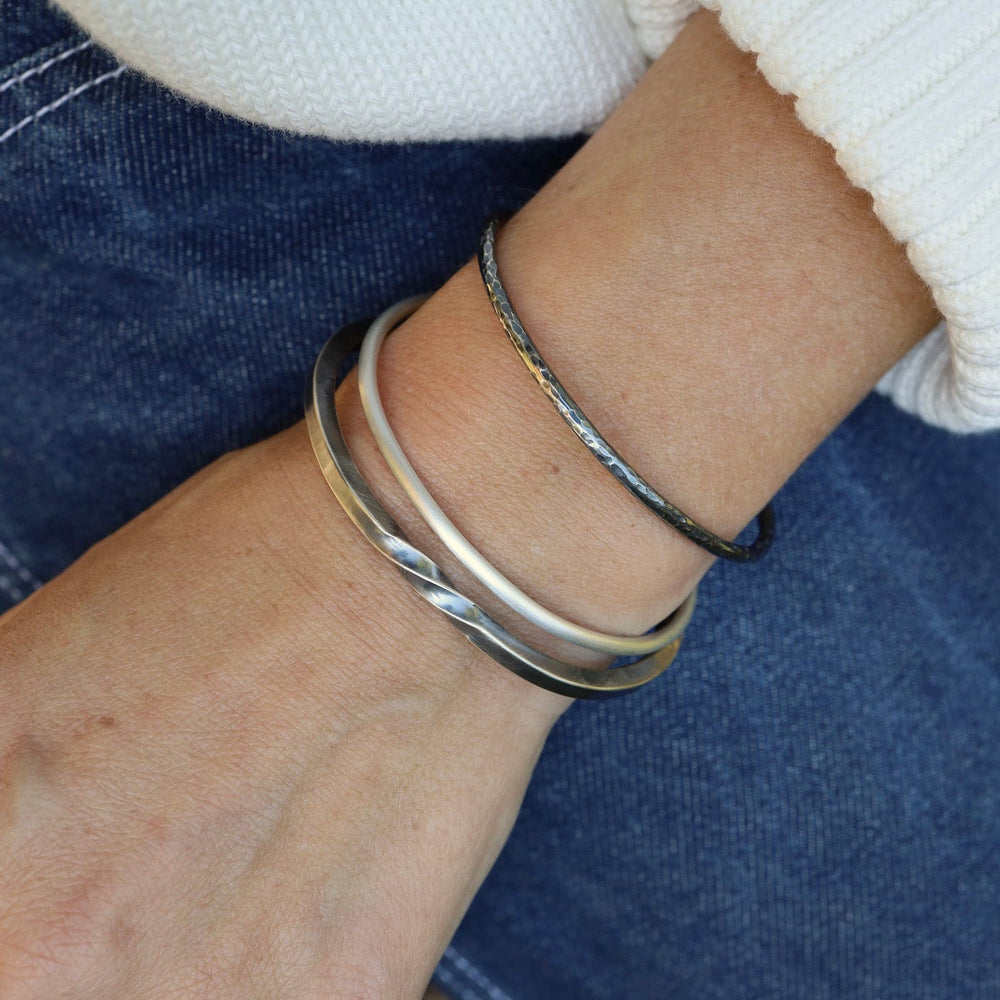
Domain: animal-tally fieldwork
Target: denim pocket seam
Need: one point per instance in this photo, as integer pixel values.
(9, 563)
(455, 971)
(65, 98)
(34, 71)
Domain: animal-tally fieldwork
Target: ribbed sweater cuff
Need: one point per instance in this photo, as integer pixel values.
(908, 94)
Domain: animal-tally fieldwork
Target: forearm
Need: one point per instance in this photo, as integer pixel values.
(713, 293)
(236, 749)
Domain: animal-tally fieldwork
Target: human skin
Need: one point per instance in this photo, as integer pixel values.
(239, 758)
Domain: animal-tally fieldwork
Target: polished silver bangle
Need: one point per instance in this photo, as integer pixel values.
(452, 539)
(592, 437)
(427, 579)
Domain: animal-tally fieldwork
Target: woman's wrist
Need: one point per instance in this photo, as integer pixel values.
(232, 752)
(349, 595)
(712, 292)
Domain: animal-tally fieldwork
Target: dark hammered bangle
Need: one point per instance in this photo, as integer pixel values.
(591, 437)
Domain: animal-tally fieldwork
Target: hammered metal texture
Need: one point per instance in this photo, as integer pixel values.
(588, 433)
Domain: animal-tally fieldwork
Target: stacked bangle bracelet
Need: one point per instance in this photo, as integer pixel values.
(588, 433)
(656, 649)
(427, 579)
(450, 536)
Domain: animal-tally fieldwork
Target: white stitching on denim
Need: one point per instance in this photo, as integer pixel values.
(59, 102)
(38, 70)
(450, 981)
(477, 977)
(11, 589)
(23, 573)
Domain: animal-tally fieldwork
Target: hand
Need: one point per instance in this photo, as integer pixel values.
(238, 758)
(221, 776)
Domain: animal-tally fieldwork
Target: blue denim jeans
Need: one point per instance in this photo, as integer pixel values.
(807, 805)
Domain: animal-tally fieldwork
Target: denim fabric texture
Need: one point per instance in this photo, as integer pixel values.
(806, 806)
(169, 274)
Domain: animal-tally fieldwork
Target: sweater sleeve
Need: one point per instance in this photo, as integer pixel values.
(908, 94)
(906, 91)
(383, 70)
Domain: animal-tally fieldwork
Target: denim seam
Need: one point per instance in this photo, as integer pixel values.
(60, 101)
(48, 64)
(22, 572)
(11, 589)
(449, 980)
(463, 970)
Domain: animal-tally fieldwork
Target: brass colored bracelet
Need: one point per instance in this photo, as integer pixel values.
(378, 526)
(588, 433)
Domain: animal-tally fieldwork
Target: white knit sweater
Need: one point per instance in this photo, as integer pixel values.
(906, 91)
